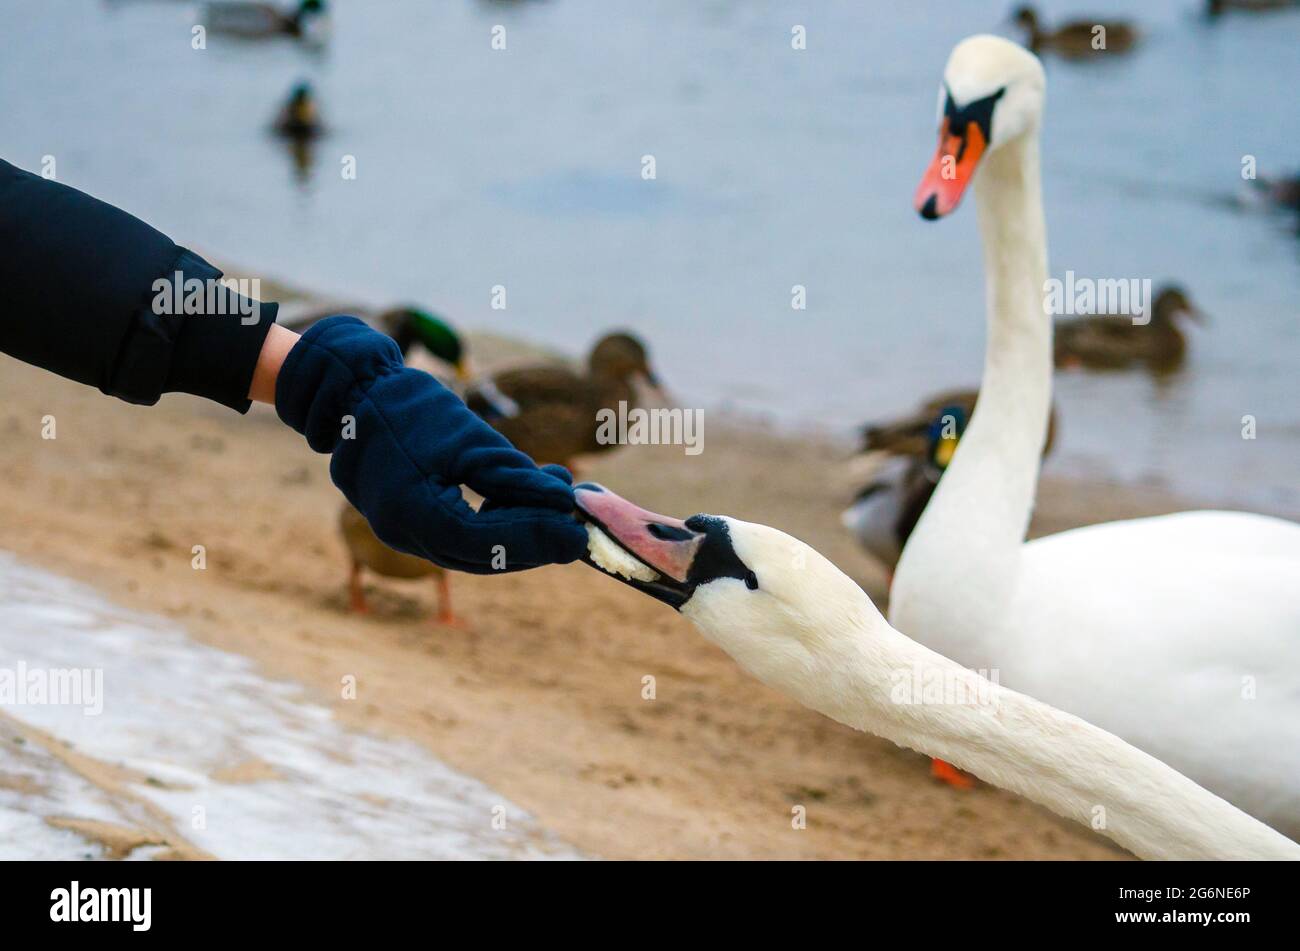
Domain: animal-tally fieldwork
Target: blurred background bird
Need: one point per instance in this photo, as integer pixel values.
(909, 434)
(550, 411)
(367, 552)
(250, 20)
(887, 508)
(412, 328)
(299, 117)
(1216, 7)
(1114, 342)
(1078, 38)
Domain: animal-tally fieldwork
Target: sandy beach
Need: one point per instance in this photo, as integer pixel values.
(541, 696)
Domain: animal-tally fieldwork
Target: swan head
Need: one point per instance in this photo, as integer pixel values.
(782, 610)
(992, 94)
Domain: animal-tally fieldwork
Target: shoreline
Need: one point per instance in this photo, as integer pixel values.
(541, 698)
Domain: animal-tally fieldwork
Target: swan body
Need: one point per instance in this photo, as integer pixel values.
(1146, 627)
(799, 624)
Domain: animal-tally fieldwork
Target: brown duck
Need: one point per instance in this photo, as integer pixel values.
(550, 412)
(368, 552)
(1075, 39)
(1215, 7)
(1113, 343)
(909, 435)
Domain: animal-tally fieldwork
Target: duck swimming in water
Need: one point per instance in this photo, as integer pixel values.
(252, 20)
(1115, 342)
(1217, 7)
(299, 118)
(796, 622)
(1077, 39)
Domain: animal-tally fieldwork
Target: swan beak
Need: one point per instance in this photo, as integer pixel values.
(657, 541)
(951, 171)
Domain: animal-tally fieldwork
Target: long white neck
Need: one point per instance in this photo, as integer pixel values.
(934, 706)
(976, 521)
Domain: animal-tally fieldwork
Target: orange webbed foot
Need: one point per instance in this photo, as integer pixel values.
(947, 773)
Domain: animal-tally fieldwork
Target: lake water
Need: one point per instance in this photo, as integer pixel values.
(479, 167)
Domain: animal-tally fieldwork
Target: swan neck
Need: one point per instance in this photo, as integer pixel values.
(970, 536)
(1077, 770)
(1009, 426)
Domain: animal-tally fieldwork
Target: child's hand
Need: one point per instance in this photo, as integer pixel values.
(402, 446)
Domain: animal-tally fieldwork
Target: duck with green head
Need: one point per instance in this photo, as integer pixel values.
(412, 325)
(886, 509)
(908, 435)
(299, 118)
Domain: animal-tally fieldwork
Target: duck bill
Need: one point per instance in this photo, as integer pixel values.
(656, 387)
(658, 541)
(946, 179)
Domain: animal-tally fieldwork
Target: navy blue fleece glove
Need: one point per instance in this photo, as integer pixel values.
(402, 446)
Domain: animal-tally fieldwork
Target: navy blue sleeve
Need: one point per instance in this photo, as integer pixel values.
(98, 296)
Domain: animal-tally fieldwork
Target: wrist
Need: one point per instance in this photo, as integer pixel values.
(279, 341)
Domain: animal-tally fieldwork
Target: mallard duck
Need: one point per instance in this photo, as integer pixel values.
(367, 551)
(407, 325)
(1075, 39)
(1216, 7)
(552, 411)
(1111, 343)
(909, 435)
(887, 508)
(298, 118)
(412, 325)
(255, 20)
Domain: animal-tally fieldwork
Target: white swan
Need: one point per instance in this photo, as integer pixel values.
(1179, 633)
(796, 622)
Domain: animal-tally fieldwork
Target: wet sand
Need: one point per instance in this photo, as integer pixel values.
(541, 698)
